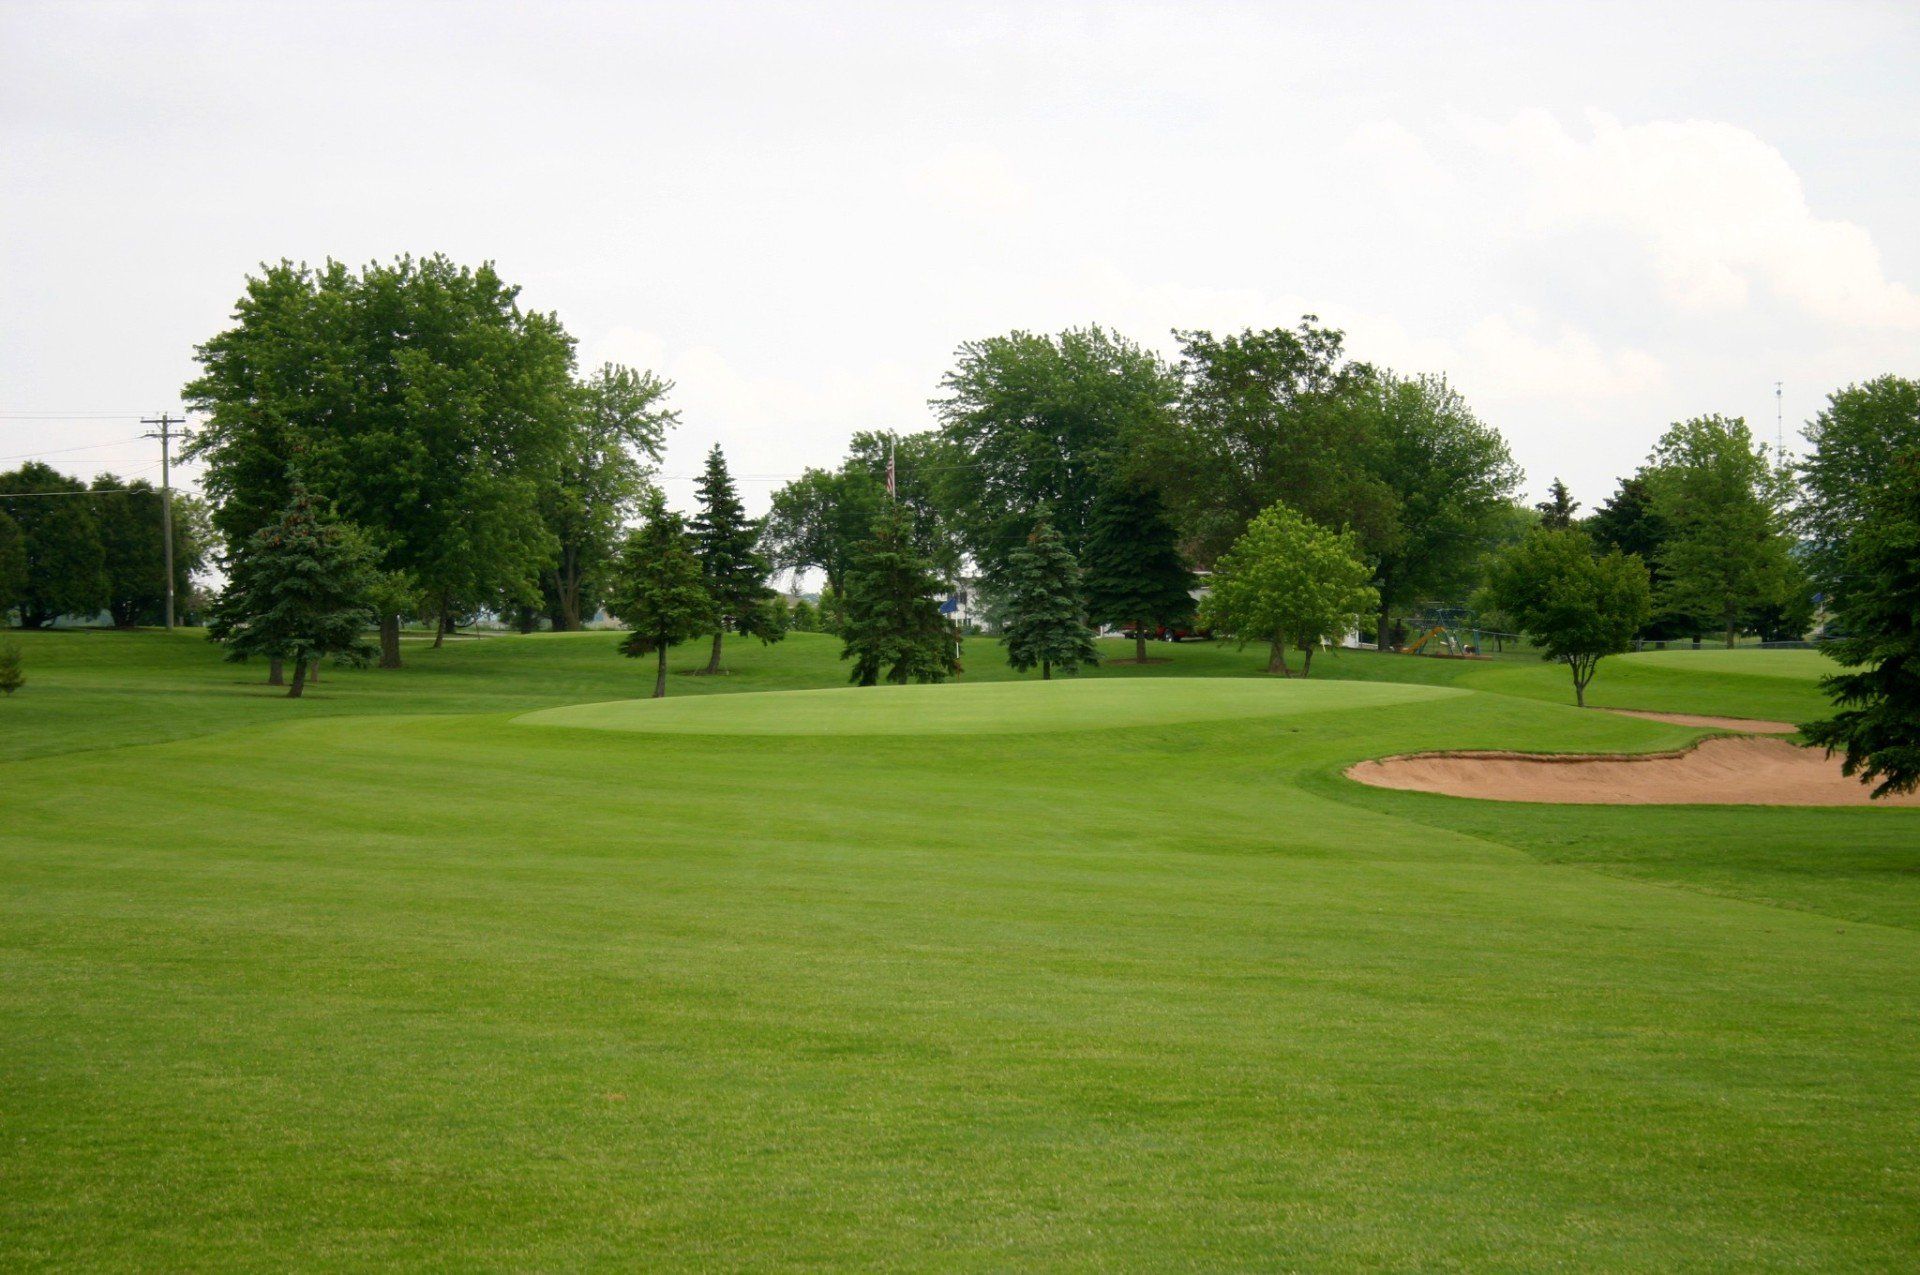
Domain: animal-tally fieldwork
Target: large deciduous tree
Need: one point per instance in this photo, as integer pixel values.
(1725, 510)
(1578, 606)
(1289, 579)
(60, 536)
(821, 519)
(1036, 420)
(13, 566)
(1046, 624)
(893, 629)
(727, 544)
(925, 467)
(1856, 439)
(132, 537)
(1132, 570)
(417, 397)
(1265, 416)
(617, 428)
(658, 589)
(1448, 481)
(299, 589)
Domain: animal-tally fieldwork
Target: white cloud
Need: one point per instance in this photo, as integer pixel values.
(1721, 216)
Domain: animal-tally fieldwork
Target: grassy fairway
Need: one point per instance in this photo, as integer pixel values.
(1115, 974)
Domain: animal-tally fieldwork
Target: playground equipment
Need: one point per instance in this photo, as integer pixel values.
(1437, 631)
(1445, 632)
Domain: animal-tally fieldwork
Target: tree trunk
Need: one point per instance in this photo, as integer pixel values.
(441, 625)
(660, 678)
(390, 641)
(1732, 636)
(1386, 623)
(713, 661)
(276, 672)
(1277, 656)
(299, 679)
(1306, 666)
(313, 673)
(567, 585)
(1139, 641)
(1046, 669)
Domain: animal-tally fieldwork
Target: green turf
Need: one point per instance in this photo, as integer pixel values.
(387, 978)
(985, 708)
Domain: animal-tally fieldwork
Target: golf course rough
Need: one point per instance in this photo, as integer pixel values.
(986, 708)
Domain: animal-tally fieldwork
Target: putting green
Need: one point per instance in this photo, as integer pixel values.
(985, 708)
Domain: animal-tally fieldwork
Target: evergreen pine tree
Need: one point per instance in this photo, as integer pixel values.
(1876, 611)
(727, 542)
(893, 624)
(1132, 571)
(1045, 625)
(299, 589)
(659, 589)
(1556, 511)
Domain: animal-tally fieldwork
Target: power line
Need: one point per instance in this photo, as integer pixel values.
(62, 451)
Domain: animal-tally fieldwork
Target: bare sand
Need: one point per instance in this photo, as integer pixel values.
(1742, 770)
(1751, 725)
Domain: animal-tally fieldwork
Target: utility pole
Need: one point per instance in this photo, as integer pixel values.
(166, 436)
(1779, 424)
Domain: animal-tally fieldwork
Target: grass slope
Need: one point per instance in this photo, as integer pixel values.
(388, 978)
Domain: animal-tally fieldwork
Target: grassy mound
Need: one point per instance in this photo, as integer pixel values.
(987, 708)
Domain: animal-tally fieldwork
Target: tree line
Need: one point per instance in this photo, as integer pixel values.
(74, 548)
(410, 427)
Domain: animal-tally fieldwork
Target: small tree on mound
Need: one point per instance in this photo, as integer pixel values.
(893, 624)
(1876, 608)
(1045, 626)
(301, 588)
(11, 677)
(1575, 605)
(659, 589)
(1132, 570)
(1289, 578)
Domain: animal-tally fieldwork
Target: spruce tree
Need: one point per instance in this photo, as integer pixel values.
(1556, 511)
(299, 589)
(727, 542)
(893, 625)
(1875, 570)
(1045, 624)
(1132, 571)
(659, 589)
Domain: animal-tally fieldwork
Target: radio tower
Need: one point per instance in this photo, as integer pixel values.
(1779, 425)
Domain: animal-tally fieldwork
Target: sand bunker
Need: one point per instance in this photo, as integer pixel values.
(1749, 724)
(1723, 771)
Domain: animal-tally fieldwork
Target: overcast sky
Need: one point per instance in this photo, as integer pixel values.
(1594, 220)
